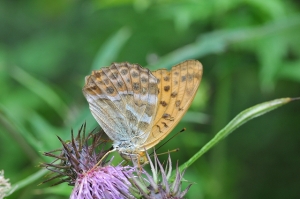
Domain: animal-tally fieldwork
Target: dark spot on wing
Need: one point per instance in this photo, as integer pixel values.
(110, 90)
(174, 94)
(124, 71)
(163, 103)
(120, 84)
(134, 74)
(165, 124)
(136, 86)
(167, 88)
(166, 115)
(190, 77)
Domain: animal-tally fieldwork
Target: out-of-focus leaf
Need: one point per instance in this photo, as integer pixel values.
(290, 71)
(87, 117)
(109, 3)
(196, 117)
(217, 42)
(43, 54)
(270, 52)
(239, 120)
(46, 134)
(110, 50)
(40, 89)
(141, 5)
(16, 128)
(274, 9)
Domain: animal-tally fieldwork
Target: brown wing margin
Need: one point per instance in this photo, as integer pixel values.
(177, 89)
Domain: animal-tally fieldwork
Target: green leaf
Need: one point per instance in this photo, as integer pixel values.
(270, 52)
(290, 71)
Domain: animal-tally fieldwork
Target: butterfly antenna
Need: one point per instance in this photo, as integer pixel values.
(182, 130)
(174, 150)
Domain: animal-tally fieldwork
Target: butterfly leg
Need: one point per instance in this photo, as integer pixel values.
(108, 152)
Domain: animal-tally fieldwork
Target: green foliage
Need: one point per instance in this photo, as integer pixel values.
(250, 51)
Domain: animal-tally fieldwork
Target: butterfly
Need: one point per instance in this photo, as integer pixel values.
(138, 108)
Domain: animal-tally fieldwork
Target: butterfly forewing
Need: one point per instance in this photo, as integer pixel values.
(177, 89)
(123, 100)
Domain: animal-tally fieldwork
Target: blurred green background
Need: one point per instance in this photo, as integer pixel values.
(250, 50)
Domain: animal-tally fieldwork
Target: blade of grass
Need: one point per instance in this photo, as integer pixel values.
(239, 120)
(30, 179)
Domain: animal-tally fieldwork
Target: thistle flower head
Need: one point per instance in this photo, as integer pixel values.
(154, 187)
(76, 156)
(78, 165)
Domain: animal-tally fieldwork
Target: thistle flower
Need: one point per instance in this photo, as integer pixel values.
(151, 187)
(78, 166)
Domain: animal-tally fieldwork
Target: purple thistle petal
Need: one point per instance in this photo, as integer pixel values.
(169, 162)
(103, 182)
(177, 182)
(151, 182)
(164, 177)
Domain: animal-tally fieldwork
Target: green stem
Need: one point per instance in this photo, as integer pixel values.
(32, 178)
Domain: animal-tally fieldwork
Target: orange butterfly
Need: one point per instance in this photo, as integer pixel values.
(138, 108)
